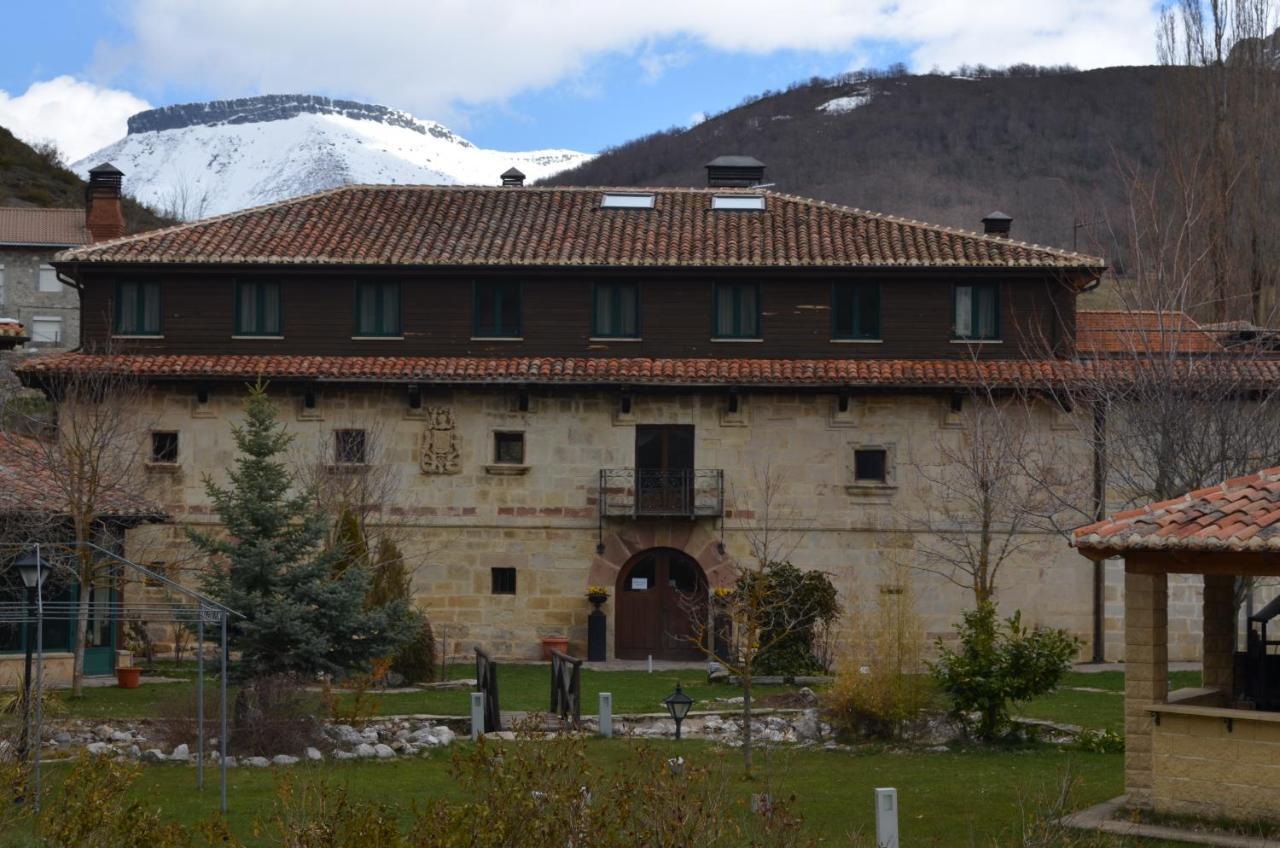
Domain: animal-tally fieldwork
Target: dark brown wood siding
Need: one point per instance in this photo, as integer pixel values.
(675, 315)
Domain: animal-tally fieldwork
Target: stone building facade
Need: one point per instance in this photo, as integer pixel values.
(30, 290)
(582, 387)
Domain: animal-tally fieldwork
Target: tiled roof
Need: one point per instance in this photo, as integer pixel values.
(25, 226)
(1239, 515)
(26, 485)
(1103, 332)
(490, 226)
(616, 371)
(12, 327)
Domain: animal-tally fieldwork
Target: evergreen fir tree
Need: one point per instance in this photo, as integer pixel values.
(303, 614)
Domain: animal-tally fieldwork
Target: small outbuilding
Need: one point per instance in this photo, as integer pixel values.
(1212, 751)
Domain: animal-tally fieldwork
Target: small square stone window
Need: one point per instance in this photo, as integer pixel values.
(503, 581)
(164, 447)
(349, 447)
(871, 465)
(508, 448)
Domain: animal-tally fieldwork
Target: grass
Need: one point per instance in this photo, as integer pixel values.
(521, 687)
(1097, 710)
(952, 799)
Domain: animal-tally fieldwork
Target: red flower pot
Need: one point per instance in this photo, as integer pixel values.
(128, 678)
(554, 643)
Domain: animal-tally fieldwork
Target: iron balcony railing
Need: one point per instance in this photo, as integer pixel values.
(639, 492)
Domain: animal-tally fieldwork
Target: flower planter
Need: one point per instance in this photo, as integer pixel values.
(554, 643)
(128, 678)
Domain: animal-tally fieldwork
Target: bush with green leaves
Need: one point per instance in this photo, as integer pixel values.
(998, 664)
(304, 610)
(798, 604)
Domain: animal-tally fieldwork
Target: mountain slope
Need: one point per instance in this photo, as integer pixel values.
(204, 159)
(33, 177)
(1039, 146)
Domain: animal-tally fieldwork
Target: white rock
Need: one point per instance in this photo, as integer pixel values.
(99, 749)
(121, 736)
(346, 735)
(62, 737)
(231, 762)
(181, 754)
(103, 731)
(343, 755)
(365, 751)
(443, 736)
(284, 760)
(384, 752)
(369, 735)
(256, 762)
(314, 755)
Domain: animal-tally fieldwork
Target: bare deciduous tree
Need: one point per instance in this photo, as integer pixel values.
(91, 460)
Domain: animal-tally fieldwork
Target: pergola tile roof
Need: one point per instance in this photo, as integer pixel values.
(549, 226)
(27, 486)
(1242, 514)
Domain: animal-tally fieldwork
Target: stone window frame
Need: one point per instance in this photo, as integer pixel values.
(871, 489)
(507, 469)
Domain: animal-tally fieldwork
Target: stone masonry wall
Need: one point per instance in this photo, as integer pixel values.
(1205, 768)
(21, 298)
(458, 514)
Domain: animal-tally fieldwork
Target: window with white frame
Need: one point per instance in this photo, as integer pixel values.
(46, 329)
(49, 281)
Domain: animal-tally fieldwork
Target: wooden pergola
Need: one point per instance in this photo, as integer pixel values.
(1212, 751)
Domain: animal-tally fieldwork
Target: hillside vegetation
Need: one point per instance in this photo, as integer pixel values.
(1041, 145)
(35, 177)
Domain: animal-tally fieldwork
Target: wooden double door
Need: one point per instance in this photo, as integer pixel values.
(660, 607)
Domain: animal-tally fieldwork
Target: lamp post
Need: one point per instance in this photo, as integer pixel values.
(678, 704)
(33, 570)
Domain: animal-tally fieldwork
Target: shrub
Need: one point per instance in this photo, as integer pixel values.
(416, 659)
(999, 664)
(798, 604)
(275, 715)
(91, 807)
(881, 684)
(1105, 741)
(359, 699)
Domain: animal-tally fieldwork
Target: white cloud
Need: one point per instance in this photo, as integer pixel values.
(697, 118)
(78, 116)
(435, 57)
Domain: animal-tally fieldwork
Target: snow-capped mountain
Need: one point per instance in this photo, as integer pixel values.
(200, 159)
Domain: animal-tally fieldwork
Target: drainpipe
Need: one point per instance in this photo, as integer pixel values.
(1099, 513)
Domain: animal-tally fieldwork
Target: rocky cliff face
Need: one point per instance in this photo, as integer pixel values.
(278, 107)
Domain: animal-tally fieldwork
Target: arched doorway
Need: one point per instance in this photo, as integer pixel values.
(660, 606)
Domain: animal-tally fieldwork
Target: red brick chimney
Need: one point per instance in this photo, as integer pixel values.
(103, 214)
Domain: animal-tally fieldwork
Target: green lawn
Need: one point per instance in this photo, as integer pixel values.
(953, 799)
(520, 687)
(1097, 710)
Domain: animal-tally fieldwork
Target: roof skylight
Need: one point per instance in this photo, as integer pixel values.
(627, 201)
(737, 201)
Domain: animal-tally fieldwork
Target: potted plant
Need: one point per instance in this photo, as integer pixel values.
(597, 595)
(554, 643)
(128, 675)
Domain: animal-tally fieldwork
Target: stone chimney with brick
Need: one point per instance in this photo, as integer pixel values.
(103, 214)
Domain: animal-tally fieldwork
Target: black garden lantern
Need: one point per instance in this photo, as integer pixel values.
(678, 704)
(33, 569)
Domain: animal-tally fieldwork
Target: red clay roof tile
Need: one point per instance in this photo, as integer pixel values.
(508, 226)
(1240, 515)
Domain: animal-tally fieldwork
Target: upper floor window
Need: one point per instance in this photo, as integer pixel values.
(137, 309)
(378, 309)
(617, 311)
(258, 309)
(164, 446)
(737, 311)
(855, 311)
(497, 309)
(977, 312)
(49, 281)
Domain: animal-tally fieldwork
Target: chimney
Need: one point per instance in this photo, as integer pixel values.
(997, 224)
(103, 214)
(735, 171)
(512, 177)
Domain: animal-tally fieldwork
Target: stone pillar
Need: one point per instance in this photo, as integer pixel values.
(1146, 674)
(1219, 622)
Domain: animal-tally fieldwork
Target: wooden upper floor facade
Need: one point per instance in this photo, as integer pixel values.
(573, 312)
(724, 273)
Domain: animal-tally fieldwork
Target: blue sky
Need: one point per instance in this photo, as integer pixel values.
(513, 74)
